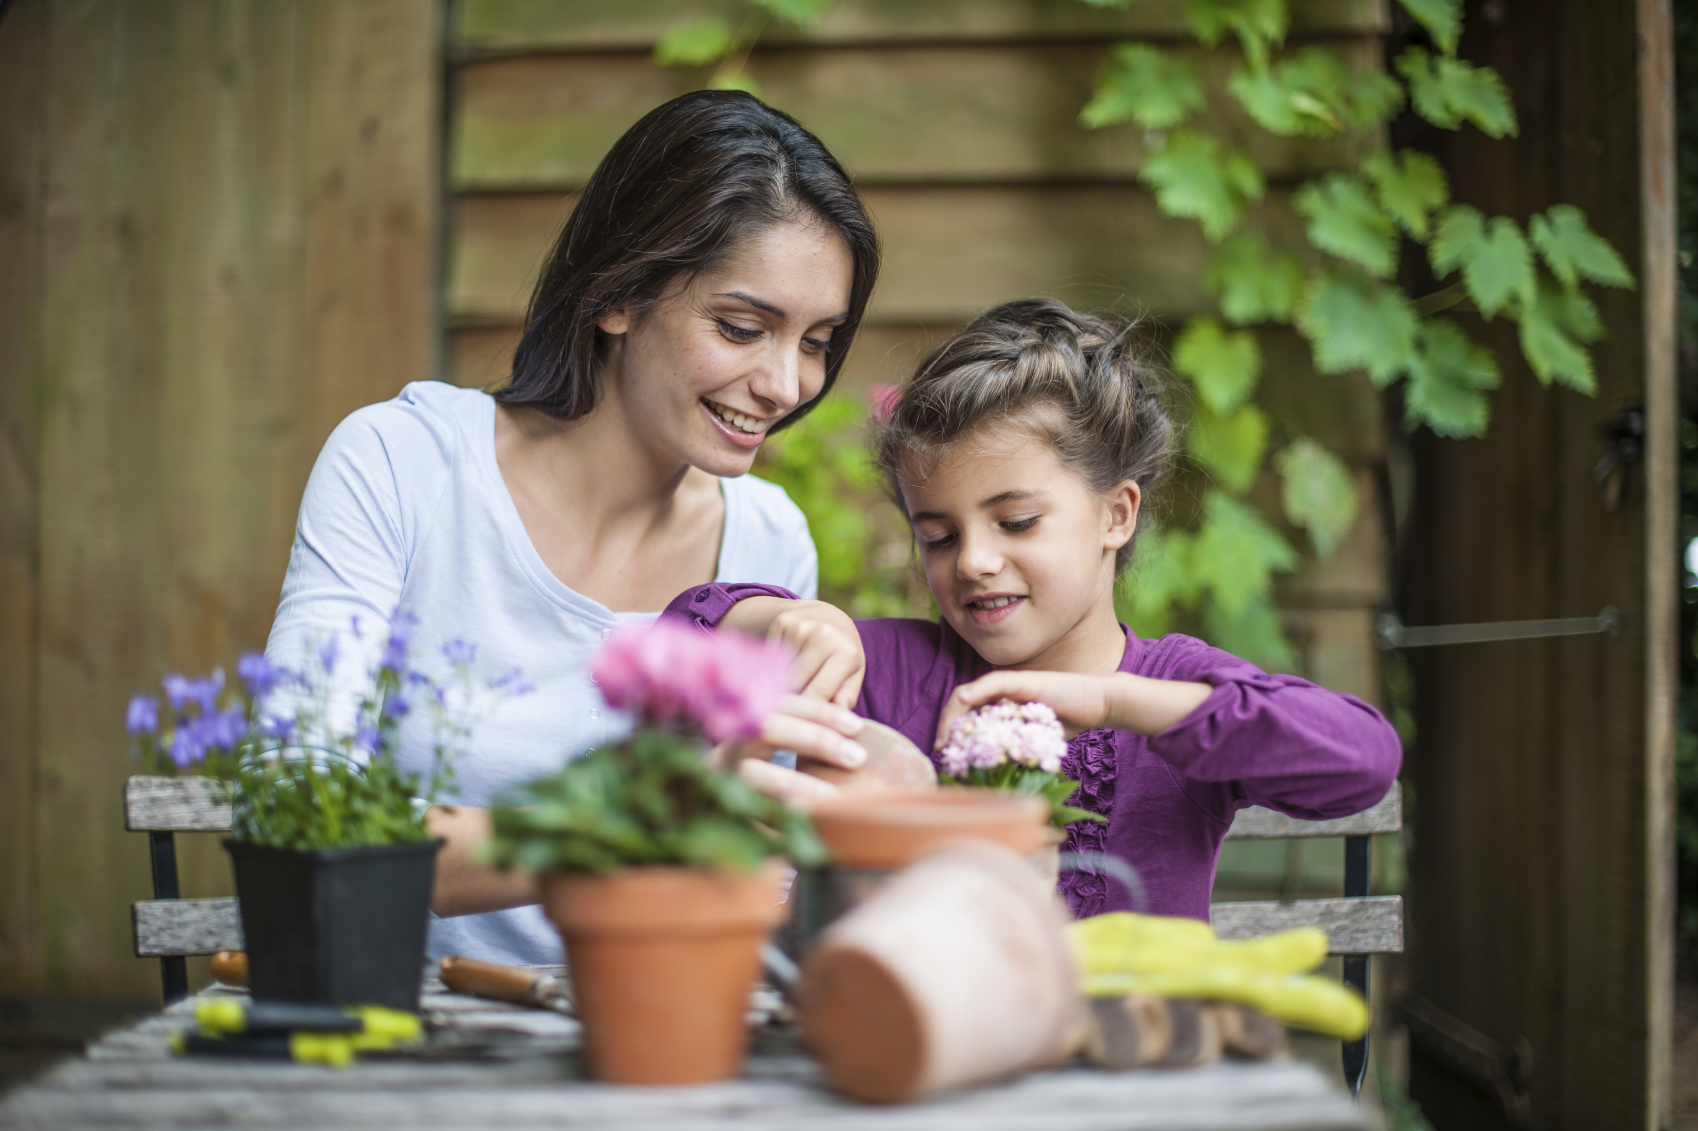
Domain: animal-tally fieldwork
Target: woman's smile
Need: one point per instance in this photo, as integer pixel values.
(742, 429)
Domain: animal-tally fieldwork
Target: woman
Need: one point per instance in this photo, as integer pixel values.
(703, 294)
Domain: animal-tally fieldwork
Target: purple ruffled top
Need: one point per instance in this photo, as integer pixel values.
(1258, 739)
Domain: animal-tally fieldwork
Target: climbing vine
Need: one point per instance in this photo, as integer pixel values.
(1339, 290)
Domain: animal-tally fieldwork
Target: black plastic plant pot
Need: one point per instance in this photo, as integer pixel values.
(339, 925)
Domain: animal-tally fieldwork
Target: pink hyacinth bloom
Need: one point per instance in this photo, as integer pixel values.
(883, 399)
(671, 674)
(1005, 731)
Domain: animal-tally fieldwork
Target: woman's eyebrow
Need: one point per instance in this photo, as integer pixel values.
(762, 304)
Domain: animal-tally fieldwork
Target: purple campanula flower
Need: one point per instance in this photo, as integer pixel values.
(258, 673)
(401, 627)
(354, 626)
(279, 727)
(513, 683)
(396, 704)
(458, 651)
(142, 716)
(185, 750)
(327, 654)
(220, 730)
(366, 739)
(176, 687)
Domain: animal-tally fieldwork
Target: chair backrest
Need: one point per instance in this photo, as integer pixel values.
(168, 927)
(1359, 925)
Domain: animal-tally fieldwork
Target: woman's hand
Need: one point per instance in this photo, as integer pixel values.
(828, 760)
(829, 660)
(815, 730)
(1083, 702)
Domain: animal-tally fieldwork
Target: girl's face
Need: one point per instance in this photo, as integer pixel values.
(703, 373)
(1019, 551)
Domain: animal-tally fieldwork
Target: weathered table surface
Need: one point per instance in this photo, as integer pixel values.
(497, 1066)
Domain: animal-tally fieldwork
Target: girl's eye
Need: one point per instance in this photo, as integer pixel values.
(737, 333)
(1021, 524)
(937, 543)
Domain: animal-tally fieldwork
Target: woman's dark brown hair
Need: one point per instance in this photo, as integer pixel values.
(1083, 382)
(686, 186)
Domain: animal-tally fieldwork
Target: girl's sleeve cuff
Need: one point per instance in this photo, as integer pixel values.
(706, 605)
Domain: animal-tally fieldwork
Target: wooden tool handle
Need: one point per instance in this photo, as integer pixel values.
(231, 967)
(486, 979)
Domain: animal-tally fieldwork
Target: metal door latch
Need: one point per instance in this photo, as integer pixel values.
(1390, 631)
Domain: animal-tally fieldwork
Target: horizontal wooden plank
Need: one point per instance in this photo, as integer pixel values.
(186, 926)
(595, 25)
(188, 804)
(903, 115)
(1366, 925)
(950, 252)
(1385, 817)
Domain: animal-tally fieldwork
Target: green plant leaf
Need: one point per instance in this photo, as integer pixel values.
(1345, 220)
(1257, 24)
(734, 79)
(1231, 446)
(1448, 92)
(1253, 632)
(1144, 84)
(1193, 178)
(1411, 187)
(1317, 492)
(1223, 364)
(1237, 552)
(1448, 376)
(1441, 18)
(1161, 580)
(1497, 264)
(1547, 341)
(1254, 282)
(1574, 251)
(1315, 93)
(695, 44)
(1352, 322)
(799, 12)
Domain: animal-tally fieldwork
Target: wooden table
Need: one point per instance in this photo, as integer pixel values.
(497, 1066)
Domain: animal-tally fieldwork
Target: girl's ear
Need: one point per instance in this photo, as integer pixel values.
(1123, 503)
(615, 322)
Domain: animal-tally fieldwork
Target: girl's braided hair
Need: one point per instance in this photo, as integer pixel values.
(1082, 382)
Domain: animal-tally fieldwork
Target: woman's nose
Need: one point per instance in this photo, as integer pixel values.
(778, 378)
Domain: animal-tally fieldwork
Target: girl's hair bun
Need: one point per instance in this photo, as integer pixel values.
(1084, 382)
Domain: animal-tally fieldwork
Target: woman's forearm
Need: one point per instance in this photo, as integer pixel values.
(463, 885)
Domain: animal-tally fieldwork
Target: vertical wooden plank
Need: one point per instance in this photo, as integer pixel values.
(1659, 278)
(23, 156)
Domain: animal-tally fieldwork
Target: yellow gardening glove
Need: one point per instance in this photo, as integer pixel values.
(1296, 999)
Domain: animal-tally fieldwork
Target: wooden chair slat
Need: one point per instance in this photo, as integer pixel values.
(176, 805)
(1371, 924)
(1258, 823)
(167, 928)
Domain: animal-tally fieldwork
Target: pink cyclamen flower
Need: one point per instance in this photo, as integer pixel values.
(670, 673)
(884, 399)
(1005, 731)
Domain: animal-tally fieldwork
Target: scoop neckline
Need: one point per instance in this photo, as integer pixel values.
(525, 553)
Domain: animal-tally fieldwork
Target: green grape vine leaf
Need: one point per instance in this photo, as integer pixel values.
(1411, 187)
(1237, 552)
(1496, 262)
(1345, 220)
(1254, 282)
(1552, 328)
(799, 12)
(1449, 375)
(1144, 84)
(1162, 581)
(1231, 447)
(1258, 24)
(1223, 364)
(1317, 492)
(1193, 178)
(1252, 631)
(1315, 93)
(1441, 18)
(1354, 322)
(695, 44)
(1448, 92)
(1574, 251)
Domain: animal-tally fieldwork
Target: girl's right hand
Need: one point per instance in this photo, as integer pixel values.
(830, 662)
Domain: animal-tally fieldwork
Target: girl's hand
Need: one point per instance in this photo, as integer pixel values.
(830, 661)
(1081, 701)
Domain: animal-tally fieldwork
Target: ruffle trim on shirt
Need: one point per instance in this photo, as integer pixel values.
(1091, 762)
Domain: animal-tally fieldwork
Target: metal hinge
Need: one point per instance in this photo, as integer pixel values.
(1390, 631)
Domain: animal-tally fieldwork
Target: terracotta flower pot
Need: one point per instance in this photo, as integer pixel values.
(955, 971)
(662, 960)
(890, 830)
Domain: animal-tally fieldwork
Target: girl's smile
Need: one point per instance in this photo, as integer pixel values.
(1019, 551)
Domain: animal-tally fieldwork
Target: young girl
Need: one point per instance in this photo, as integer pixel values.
(1019, 454)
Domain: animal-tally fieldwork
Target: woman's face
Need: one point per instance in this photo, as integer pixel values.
(1017, 548)
(703, 373)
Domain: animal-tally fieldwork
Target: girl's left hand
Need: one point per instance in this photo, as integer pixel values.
(1081, 701)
